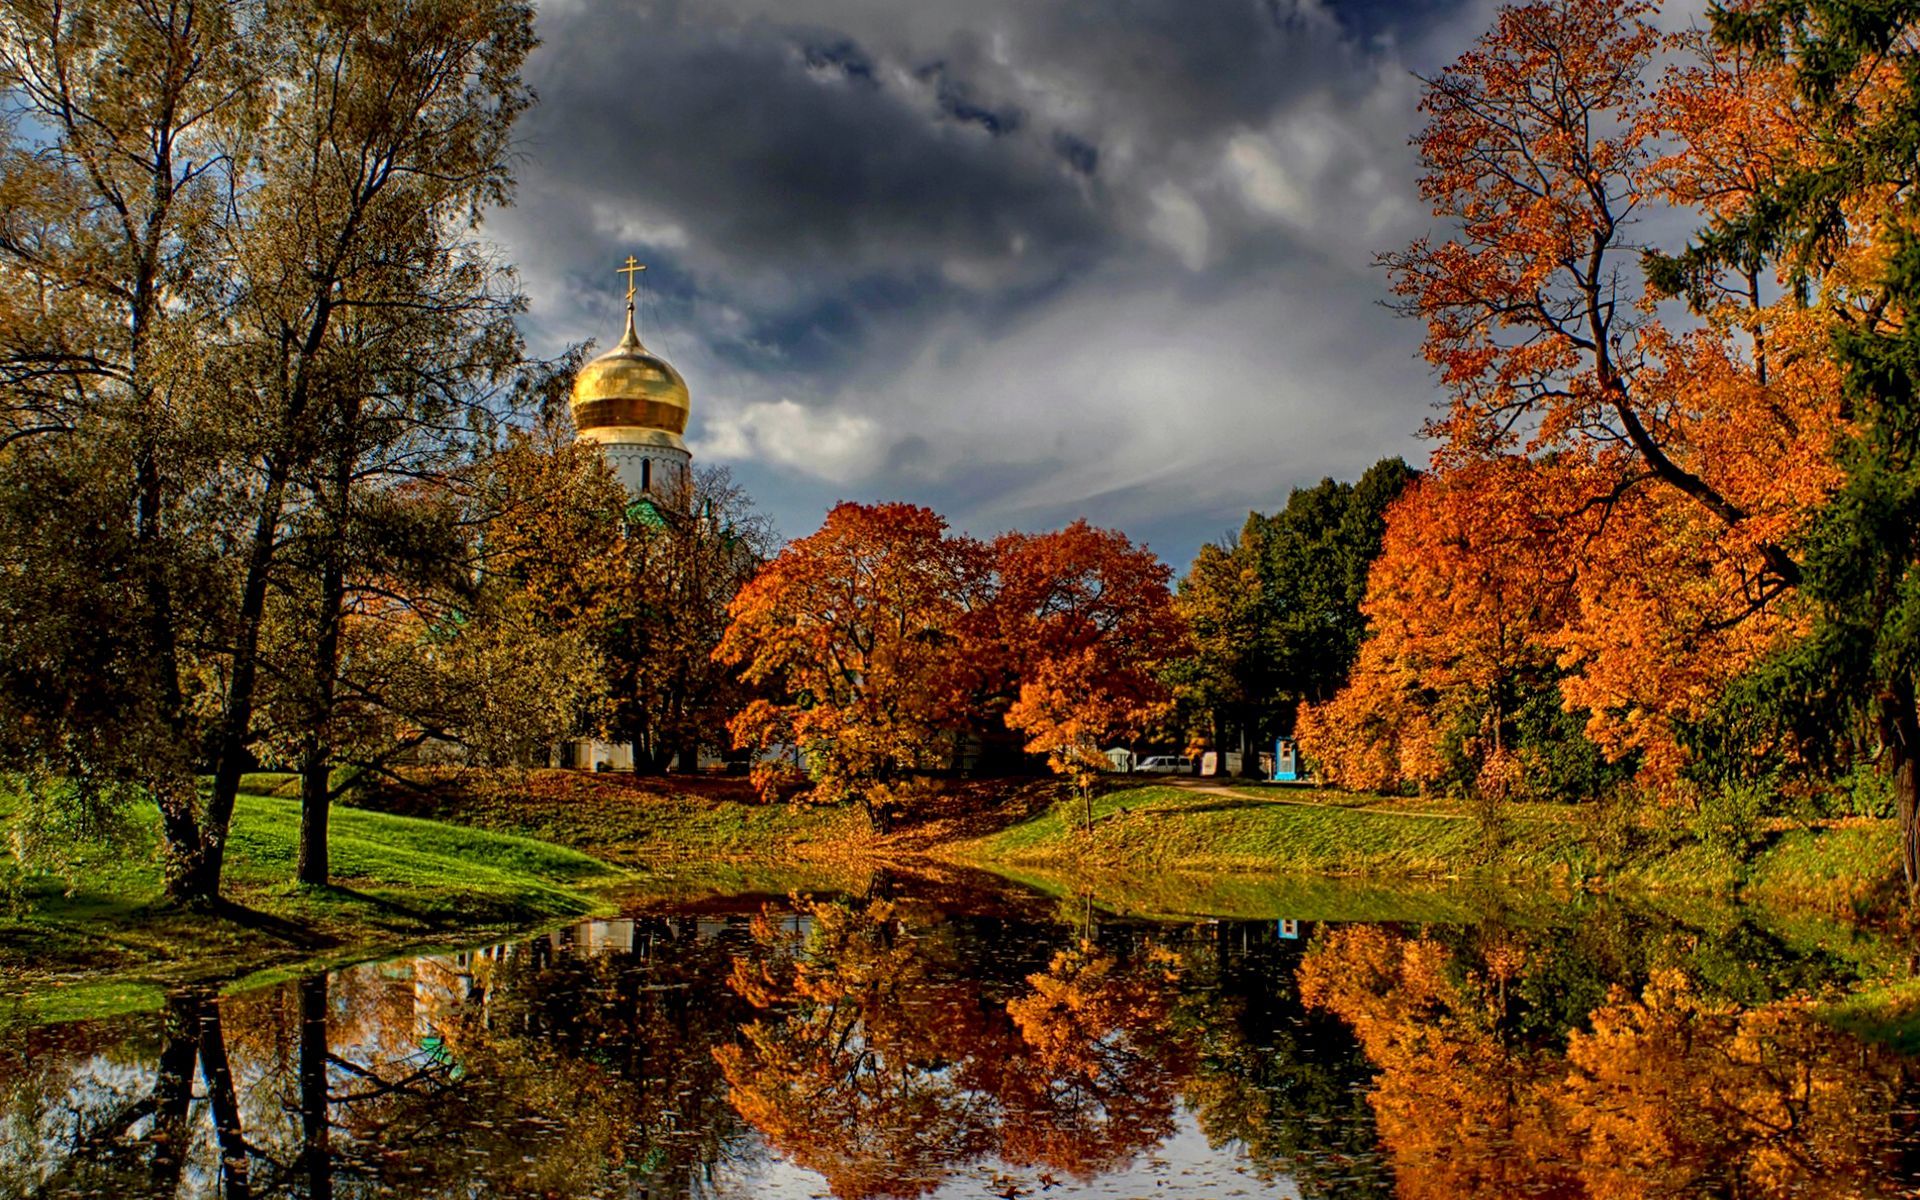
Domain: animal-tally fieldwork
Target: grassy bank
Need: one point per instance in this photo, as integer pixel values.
(100, 937)
(673, 834)
(1195, 847)
(1176, 828)
(1160, 831)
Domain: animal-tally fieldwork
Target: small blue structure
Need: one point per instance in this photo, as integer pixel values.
(1286, 761)
(1288, 929)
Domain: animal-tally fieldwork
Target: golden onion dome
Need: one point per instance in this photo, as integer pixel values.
(630, 395)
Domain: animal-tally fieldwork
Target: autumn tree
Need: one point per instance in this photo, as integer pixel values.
(1466, 605)
(682, 567)
(401, 337)
(113, 301)
(223, 238)
(455, 630)
(1693, 459)
(1842, 217)
(552, 523)
(1220, 684)
(646, 582)
(499, 656)
(1085, 619)
(886, 644)
(855, 630)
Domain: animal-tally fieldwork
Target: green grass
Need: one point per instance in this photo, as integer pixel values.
(1853, 868)
(1889, 1014)
(1171, 828)
(652, 826)
(101, 937)
(1148, 833)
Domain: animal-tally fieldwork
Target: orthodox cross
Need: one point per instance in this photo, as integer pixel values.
(632, 269)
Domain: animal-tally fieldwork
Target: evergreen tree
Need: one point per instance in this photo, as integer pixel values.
(1858, 78)
(1276, 614)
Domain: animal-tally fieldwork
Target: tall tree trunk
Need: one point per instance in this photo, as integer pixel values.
(175, 790)
(316, 775)
(178, 799)
(1900, 727)
(316, 802)
(292, 447)
(201, 882)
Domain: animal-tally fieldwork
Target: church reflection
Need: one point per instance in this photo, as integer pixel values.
(896, 1047)
(574, 1064)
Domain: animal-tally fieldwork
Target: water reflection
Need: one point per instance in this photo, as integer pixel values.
(901, 1046)
(1663, 1089)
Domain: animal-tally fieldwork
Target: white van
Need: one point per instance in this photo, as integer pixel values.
(1164, 764)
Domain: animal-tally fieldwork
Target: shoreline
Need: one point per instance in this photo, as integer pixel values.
(554, 847)
(101, 936)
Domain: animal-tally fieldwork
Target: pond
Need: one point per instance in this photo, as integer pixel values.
(941, 1041)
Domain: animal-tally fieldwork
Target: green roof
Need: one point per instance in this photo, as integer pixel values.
(645, 512)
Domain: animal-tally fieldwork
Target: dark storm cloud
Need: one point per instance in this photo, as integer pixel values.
(778, 152)
(1020, 258)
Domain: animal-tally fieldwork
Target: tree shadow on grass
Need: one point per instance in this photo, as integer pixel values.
(1181, 810)
(292, 932)
(382, 903)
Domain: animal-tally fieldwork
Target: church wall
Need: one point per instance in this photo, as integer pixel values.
(643, 469)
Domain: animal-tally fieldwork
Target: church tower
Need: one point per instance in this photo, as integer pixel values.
(633, 405)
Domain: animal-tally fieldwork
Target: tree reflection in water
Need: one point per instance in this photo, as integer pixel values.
(898, 1047)
(1659, 1091)
(530, 1070)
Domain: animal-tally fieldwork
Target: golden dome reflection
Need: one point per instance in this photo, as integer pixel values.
(630, 395)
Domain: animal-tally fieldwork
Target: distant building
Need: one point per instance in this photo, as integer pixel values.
(633, 406)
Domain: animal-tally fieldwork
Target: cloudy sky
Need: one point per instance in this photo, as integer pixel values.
(1019, 260)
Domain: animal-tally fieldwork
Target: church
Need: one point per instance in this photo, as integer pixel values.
(633, 406)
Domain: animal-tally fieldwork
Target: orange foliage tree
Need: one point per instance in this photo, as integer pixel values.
(1670, 477)
(1086, 618)
(883, 642)
(856, 632)
(1472, 585)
